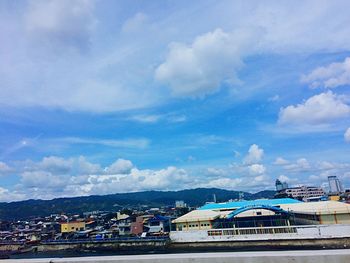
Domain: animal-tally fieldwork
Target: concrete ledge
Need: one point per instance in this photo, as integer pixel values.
(299, 256)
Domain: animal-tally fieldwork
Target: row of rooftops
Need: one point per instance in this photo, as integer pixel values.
(213, 211)
(239, 204)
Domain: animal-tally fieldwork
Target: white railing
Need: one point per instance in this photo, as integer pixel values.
(263, 233)
(253, 231)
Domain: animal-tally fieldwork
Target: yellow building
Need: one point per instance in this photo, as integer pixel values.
(196, 220)
(324, 212)
(334, 197)
(72, 226)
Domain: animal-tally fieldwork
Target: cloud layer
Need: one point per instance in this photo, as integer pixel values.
(334, 75)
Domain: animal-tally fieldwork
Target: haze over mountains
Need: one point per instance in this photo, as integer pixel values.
(115, 202)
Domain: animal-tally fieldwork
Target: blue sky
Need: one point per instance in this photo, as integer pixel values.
(102, 97)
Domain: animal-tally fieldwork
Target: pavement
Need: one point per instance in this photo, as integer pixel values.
(292, 256)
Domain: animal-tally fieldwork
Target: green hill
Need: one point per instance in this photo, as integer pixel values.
(114, 202)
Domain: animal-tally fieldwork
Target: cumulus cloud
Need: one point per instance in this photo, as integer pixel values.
(225, 183)
(331, 76)
(300, 165)
(56, 165)
(255, 154)
(283, 178)
(120, 166)
(43, 179)
(319, 109)
(200, 68)
(9, 196)
(255, 169)
(56, 177)
(347, 135)
(86, 167)
(280, 161)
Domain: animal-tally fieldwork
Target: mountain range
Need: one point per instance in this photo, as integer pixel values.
(114, 202)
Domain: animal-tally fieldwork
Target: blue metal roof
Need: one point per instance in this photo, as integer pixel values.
(239, 204)
(251, 207)
(157, 218)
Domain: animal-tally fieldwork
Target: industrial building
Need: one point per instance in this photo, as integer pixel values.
(264, 213)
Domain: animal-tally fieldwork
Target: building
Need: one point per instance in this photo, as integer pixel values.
(73, 226)
(335, 186)
(324, 212)
(264, 213)
(305, 193)
(280, 185)
(158, 224)
(220, 215)
(137, 226)
(180, 204)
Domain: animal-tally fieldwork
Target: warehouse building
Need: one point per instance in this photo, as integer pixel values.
(264, 213)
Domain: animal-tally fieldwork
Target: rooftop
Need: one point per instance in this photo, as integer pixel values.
(238, 204)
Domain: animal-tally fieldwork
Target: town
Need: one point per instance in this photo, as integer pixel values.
(310, 205)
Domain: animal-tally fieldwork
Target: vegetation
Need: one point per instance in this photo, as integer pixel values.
(117, 202)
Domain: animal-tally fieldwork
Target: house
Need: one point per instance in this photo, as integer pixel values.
(158, 224)
(73, 226)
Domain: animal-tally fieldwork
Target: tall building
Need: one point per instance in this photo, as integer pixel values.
(280, 185)
(180, 204)
(334, 185)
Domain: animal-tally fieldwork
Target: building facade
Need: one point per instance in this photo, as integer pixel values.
(73, 226)
(335, 186)
(305, 193)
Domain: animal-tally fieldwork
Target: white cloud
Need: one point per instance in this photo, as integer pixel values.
(331, 76)
(300, 165)
(154, 118)
(43, 180)
(86, 167)
(56, 165)
(283, 178)
(100, 77)
(4, 168)
(9, 196)
(57, 177)
(224, 183)
(68, 23)
(347, 135)
(215, 172)
(255, 155)
(120, 166)
(319, 109)
(146, 118)
(255, 169)
(200, 68)
(280, 161)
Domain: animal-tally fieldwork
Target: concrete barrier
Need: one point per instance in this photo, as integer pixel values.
(300, 256)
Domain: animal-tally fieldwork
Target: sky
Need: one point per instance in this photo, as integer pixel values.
(100, 97)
